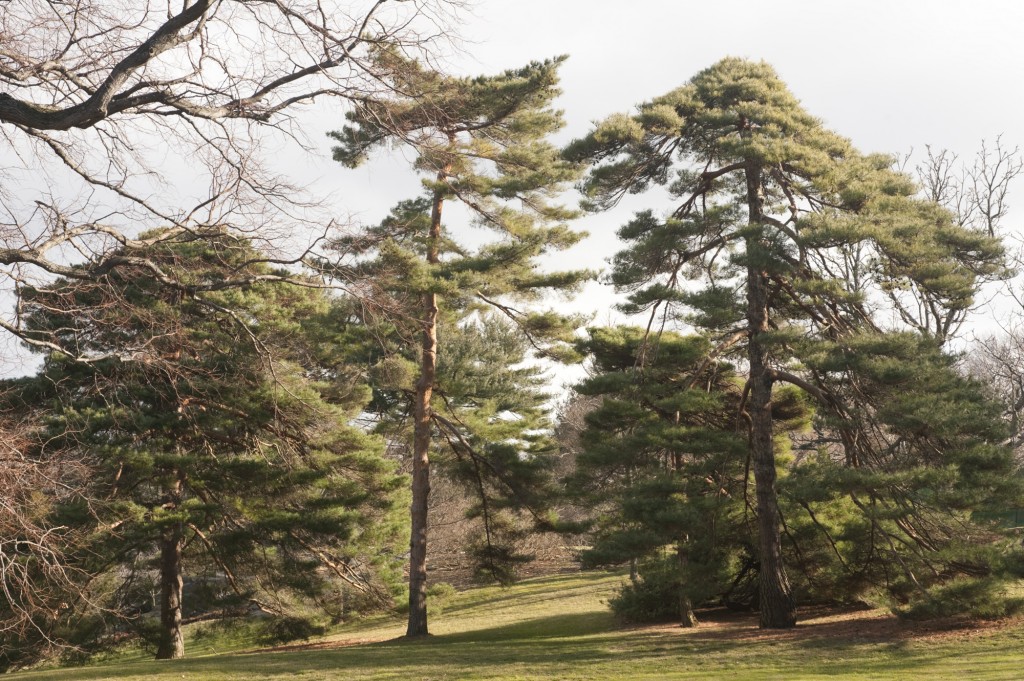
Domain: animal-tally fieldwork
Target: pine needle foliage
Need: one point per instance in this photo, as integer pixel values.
(662, 465)
(221, 447)
(482, 143)
(789, 246)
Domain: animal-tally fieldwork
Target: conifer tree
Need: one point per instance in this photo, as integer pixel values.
(482, 144)
(790, 238)
(909, 462)
(662, 465)
(493, 434)
(223, 438)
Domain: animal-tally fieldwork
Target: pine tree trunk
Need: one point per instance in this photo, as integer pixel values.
(777, 609)
(687, 618)
(421, 437)
(172, 644)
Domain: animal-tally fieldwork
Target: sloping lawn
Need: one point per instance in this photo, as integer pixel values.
(560, 628)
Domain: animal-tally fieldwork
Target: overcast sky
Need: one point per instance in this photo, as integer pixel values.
(887, 74)
(892, 76)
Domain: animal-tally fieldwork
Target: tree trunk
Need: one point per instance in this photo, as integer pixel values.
(687, 618)
(421, 436)
(777, 610)
(172, 645)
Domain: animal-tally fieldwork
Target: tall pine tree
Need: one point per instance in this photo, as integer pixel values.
(482, 144)
(782, 243)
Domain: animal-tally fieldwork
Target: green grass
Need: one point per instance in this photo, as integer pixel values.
(559, 628)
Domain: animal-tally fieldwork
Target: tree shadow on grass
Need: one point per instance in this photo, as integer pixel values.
(829, 627)
(550, 589)
(549, 641)
(567, 644)
(553, 626)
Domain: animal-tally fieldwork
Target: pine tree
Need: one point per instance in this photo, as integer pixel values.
(482, 144)
(791, 239)
(922, 461)
(493, 434)
(662, 464)
(497, 436)
(223, 437)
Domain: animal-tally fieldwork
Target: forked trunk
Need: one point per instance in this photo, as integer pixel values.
(777, 609)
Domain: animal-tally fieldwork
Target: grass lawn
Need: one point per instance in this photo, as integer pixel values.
(559, 628)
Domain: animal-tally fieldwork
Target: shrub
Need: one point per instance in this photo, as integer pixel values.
(969, 598)
(287, 628)
(653, 597)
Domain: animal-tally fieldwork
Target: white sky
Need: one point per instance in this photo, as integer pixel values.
(890, 75)
(887, 74)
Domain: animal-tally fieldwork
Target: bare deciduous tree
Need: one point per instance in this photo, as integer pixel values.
(976, 195)
(36, 580)
(122, 116)
(999, 361)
